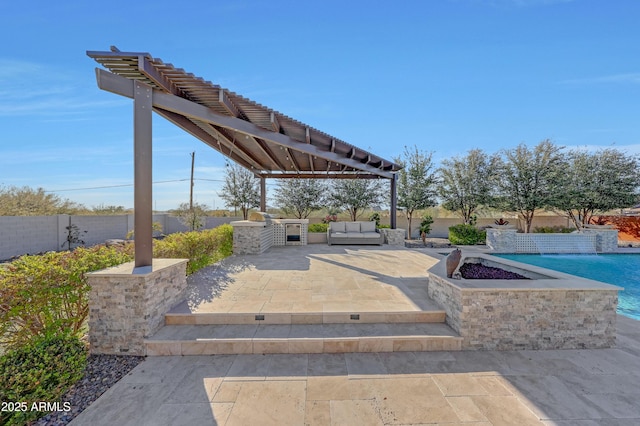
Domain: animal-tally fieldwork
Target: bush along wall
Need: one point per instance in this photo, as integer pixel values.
(41, 370)
(465, 234)
(44, 307)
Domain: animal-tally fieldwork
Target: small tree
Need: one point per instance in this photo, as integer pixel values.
(527, 179)
(425, 227)
(595, 183)
(300, 196)
(467, 182)
(240, 190)
(416, 182)
(355, 195)
(193, 218)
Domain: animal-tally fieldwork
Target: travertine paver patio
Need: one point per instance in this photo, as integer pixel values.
(314, 278)
(308, 299)
(479, 388)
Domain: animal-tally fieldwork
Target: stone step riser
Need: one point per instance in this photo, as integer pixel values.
(305, 318)
(303, 345)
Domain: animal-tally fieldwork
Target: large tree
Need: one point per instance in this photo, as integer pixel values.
(26, 201)
(468, 182)
(300, 196)
(416, 182)
(241, 189)
(528, 177)
(356, 195)
(595, 182)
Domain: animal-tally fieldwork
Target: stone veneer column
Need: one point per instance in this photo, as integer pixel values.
(128, 304)
(501, 240)
(606, 239)
(393, 237)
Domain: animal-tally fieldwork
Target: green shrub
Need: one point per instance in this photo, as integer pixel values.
(464, 234)
(202, 248)
(49, 292)
(41, 370)
(318, 227)
(553, 230)
(425, 225)
(384, 226)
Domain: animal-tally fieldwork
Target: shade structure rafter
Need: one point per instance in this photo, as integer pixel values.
(265, 141)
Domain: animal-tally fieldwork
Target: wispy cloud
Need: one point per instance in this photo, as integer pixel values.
(30, 88)
(624, 78)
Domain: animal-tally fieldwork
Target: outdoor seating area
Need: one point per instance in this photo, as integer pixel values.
(354, 233)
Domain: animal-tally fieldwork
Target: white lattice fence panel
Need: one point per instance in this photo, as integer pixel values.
(279, 234)
(556, 243)
(304, 228)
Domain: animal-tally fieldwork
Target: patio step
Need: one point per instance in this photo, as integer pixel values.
(434, 316)
(301, 338)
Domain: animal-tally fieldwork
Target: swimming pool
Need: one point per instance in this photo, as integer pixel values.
(619, 269)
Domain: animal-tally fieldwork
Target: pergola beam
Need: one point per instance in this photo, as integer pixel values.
(267, 151)
(274, 122)
(123, 86)
(224, 100)
(194, 130)
(319, 175)
(295, 164)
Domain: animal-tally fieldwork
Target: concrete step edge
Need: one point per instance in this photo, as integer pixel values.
(305, 318)
(414, 343)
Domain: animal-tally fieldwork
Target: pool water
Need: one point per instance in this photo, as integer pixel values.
(619, 269)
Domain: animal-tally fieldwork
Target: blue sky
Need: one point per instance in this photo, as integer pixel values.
(445, 75)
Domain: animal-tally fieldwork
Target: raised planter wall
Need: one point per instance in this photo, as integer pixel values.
(559, 313)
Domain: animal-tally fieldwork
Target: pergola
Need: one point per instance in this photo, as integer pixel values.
(264, 141)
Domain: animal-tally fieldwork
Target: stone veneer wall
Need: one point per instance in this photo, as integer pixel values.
(127, 304)
(393, 237)
(497, 319)
(251, 237)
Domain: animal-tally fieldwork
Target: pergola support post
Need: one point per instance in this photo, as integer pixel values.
(263, 194)
(142, 192)
(394, 200)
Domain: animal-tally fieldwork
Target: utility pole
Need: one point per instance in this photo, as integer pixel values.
(193, 160)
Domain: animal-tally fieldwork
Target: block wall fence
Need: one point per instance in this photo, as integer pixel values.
(35, 234)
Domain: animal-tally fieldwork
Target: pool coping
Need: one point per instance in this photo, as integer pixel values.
(557, 281)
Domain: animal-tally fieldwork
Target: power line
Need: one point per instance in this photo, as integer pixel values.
(131, 184)
(112, 186)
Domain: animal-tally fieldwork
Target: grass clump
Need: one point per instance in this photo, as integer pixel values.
(466, 235)
(41, 370)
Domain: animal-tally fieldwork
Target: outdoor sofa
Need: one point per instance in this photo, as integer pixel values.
(354, 233)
